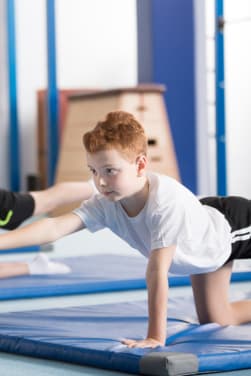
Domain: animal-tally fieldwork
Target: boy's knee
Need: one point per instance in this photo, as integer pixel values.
(14, 208)
(223, 318)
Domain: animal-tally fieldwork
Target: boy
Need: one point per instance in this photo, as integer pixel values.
(15, 208)
(162, 219)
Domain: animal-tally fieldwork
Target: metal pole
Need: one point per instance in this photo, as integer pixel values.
(13, 107)
(52, 93)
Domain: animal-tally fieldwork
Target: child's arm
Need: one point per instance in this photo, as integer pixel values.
(43, 231)
(157, 284)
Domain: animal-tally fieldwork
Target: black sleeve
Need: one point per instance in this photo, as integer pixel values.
(14, 208)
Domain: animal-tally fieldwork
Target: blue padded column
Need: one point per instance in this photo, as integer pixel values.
(13, 107)
(166, 55)
(220, 100)
(52, 93)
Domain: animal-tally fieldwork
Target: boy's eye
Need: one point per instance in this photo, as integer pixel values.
(111, 171)
(93, 171)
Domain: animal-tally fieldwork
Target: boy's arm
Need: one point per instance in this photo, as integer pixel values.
(157, 284)
(43, 231)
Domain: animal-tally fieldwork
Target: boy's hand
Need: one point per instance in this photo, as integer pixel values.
(148, 342)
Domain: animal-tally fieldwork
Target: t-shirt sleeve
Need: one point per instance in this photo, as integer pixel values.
(92, 214)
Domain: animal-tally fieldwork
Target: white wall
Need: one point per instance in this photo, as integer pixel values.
(96, 43)
(96, 47)
(210, 92)
(31, 75)
(205, 96)
(205, 184)
(238, 102)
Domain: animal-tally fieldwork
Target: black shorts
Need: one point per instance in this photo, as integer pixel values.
(14, 208)
(237, 211)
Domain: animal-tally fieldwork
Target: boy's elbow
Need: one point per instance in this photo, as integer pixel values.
(50, 229)
(63, 225)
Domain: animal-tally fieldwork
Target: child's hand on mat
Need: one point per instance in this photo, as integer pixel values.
(148, 342)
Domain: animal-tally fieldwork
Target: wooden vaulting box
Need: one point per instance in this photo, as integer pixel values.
(85, 110)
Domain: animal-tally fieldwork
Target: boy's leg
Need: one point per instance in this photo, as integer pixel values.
(12, 269)
(41, 264)
(211, 294)
(60, 194)
(14, 208)
(17, 207)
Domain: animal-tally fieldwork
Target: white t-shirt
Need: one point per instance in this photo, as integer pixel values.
(172, 215)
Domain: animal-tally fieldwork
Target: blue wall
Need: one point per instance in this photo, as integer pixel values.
(171, 26)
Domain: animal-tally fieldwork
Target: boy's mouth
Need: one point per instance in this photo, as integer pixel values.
(107, 193)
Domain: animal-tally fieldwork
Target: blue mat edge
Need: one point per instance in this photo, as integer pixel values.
(99, 287)
(115, 361)
(84, 288)
(32, 248)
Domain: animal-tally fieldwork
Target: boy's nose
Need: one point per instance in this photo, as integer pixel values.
(102, 182)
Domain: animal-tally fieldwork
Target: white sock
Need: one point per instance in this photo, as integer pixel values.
(42, 265)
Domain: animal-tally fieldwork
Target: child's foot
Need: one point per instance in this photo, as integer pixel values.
(42, 265)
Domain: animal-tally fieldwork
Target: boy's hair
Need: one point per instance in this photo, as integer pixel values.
(120, 130)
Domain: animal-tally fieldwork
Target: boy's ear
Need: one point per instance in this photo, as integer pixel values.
(141, 162)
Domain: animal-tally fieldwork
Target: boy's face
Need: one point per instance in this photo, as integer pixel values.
(115, 177)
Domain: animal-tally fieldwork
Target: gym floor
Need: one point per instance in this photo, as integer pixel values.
(81, 243)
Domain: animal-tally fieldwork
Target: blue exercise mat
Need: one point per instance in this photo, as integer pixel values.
(90, 274)
(91, 335)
